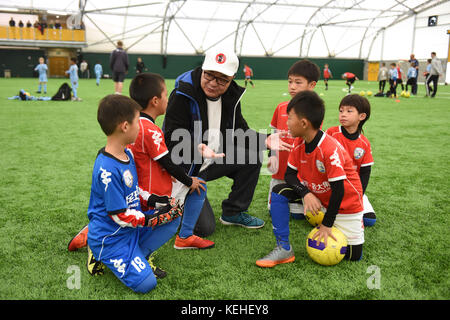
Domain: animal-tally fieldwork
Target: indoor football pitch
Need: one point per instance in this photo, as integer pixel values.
(49, 149)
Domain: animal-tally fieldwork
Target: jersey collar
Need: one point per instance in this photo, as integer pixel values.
(146, 116)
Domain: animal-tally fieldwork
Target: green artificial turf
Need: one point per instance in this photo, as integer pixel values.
(49, 148)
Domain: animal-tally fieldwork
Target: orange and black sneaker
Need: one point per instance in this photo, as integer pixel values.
(157, 271)
(192, 242)
(80, 240)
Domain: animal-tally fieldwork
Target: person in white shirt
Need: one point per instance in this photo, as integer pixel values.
(435, 72)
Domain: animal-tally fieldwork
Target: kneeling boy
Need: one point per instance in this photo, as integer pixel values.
(120, 235)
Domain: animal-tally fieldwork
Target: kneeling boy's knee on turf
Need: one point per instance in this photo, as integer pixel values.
(147, 285)
(354, 252)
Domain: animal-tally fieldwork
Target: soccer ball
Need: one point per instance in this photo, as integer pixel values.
(314, 219)
(362, 93)
(369, 93)
(330, 255)
(407, 94)
(403, 94)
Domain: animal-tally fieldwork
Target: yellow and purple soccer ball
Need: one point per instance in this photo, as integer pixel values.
(314, 219)
(330, 255)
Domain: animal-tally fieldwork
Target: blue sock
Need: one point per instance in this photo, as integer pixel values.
(39, 88)
(279, 210)
(192, 207)
(45, 88)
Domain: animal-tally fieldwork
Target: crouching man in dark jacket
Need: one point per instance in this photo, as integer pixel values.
(204, 109)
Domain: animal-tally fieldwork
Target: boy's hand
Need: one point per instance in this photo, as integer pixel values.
(323, 233)
(311, 203)
(274, 142)
(196, 185)
(208, 153)
(272, 164)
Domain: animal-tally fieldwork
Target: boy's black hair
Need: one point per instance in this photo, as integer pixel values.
(308, 105)
(306, 69)
(145, 86)
(115, 109)
(360, 103)
(74, 60)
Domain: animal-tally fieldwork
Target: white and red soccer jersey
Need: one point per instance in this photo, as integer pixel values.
(147, 149)
(279, 122)
(327, 163)
(359, 149)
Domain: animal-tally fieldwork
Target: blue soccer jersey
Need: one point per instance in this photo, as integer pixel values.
(114, 190)
(73, 73)
(42, 69)
(117, 233)
(98, 69)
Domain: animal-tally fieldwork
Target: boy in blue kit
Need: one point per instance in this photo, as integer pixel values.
(73, 74)
(120, 235)
(412, 77)
(98, 72)
(393, 77)
(42, 69)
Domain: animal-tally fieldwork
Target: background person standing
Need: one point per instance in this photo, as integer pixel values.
(118, 63)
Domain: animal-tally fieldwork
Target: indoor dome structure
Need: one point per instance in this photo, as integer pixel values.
(363, 29)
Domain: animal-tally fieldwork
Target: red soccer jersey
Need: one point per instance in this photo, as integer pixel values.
(147, 149)
(326, 73)
(279, 122)
(327, 163)
(349, 75)
(359, 149)
(399, 71)
(248, 71)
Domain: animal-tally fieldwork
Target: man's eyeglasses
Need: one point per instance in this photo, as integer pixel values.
(210, 77)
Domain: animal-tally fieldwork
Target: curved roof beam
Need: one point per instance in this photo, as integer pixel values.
(269, 5)
(415, 11)
(309, 22)
(370, 24)
(325, 23)
(237, 30)
(167, 20)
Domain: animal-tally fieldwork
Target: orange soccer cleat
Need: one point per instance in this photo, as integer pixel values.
(80, 240)
(192, 242)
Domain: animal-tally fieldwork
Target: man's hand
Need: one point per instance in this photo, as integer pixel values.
(208, 153)
(274, 142)
(272, 164)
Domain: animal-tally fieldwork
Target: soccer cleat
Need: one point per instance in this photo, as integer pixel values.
(80, 240)
(94, 267)
(157, 271)
(192, 242)
(369, 219)
(242, 219)
(278, 255)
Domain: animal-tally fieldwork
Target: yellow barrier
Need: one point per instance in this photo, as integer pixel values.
(17, 33)
(3, 32)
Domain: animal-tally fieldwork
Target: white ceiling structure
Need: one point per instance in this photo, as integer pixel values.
(364, 29)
